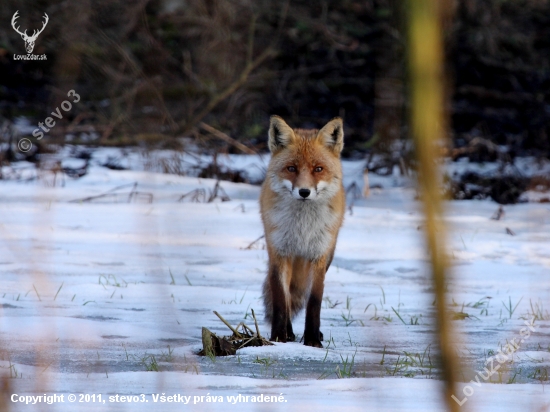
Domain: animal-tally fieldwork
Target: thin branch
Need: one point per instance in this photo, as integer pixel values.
(250, 66)
(250, 48)
(228, 325)
(256, 323)
(229, 90)
(140, 73)
(226, 138)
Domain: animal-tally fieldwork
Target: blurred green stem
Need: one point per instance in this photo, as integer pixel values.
(428, 126)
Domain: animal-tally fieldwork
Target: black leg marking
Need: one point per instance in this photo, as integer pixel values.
(279, 319)
(313, 322)
(290, 337)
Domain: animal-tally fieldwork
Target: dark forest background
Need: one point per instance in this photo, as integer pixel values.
(150, 70)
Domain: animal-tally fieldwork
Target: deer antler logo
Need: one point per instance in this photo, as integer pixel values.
(29, 40)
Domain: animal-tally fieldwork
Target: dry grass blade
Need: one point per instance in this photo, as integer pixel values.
(200, 195)
(256, 324)
(254, 242)
(498, 214)
(218, 192)
(228, 325)
(114, 194)
(197, 196)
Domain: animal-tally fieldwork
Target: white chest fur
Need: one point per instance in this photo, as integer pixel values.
(302, 228)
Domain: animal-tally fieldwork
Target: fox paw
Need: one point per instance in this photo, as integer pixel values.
(278, 337)
(315, 343)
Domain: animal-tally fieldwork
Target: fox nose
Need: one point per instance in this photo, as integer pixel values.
(304, 192)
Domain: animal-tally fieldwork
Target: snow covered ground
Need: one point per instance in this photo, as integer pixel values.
(97, 294)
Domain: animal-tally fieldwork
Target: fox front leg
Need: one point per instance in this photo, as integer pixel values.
(280, 318)
(312, 335)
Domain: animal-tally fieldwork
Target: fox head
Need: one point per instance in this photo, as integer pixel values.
(305, 164)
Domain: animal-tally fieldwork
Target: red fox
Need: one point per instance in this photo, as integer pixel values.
(302, 204)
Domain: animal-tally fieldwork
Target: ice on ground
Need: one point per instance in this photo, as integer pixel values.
(100, 292)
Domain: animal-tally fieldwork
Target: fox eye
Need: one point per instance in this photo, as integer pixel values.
(291, 169)
(318, 169)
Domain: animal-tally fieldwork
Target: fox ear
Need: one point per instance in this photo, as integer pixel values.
(280, 134)
(332, 135)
